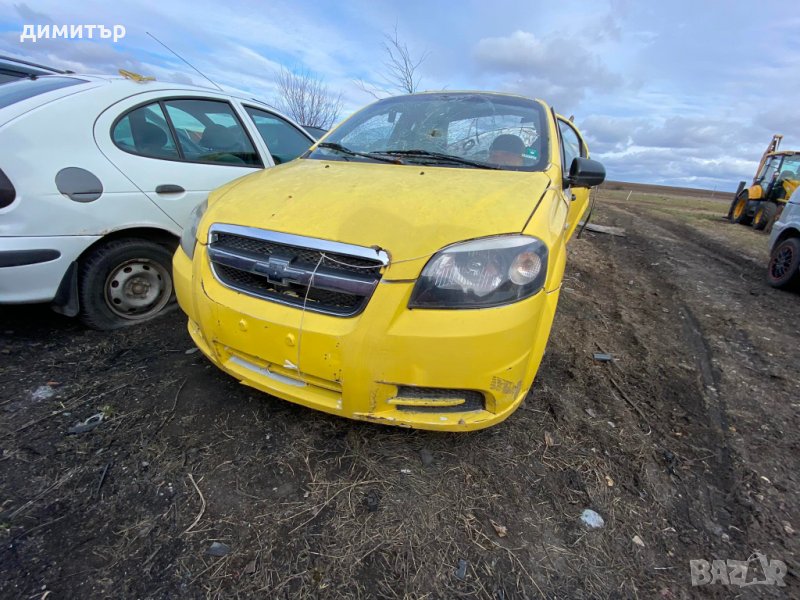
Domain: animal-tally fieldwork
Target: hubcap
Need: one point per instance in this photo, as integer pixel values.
(781, 262)
(739, 208)
(138, 289)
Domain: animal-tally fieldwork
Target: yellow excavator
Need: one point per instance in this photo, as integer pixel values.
(777, 177)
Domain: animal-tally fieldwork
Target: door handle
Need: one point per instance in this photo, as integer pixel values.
(169, 189)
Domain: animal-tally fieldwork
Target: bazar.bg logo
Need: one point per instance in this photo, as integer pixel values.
(71, 32)
(756, 570)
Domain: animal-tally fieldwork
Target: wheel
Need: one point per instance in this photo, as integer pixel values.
(740, 210)
(784, 263)
(764, 214)
(124, 282)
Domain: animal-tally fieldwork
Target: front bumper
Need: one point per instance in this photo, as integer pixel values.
(355, 367)
(31, 268)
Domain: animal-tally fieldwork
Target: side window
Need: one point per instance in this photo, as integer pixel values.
(571, 146)
(284, 141)
(770, 168)
(208, 131)
(145, 131)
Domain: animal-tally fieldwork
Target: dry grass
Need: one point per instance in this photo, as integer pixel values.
(702, 214)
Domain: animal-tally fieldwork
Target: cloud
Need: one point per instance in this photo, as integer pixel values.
(781, 117)
(31, 16)
(553, 64)
(554, 58)
(670, 167)
(605, 28)
(706, 152)
(690, 135)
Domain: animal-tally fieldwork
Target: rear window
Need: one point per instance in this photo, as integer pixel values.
(17, 91)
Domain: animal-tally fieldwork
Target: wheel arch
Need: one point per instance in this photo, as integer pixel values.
(787, 233)
(66, 299)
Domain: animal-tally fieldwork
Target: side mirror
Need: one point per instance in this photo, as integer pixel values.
(585, 172)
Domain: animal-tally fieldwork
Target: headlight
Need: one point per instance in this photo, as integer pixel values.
(481, 273)
(189, 235)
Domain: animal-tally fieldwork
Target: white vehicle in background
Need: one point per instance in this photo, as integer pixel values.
(783, 270)
(98, 175)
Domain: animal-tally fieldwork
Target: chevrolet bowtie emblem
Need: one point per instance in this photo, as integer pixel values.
(276, 269)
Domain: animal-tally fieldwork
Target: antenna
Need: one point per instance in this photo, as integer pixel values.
(184, 60)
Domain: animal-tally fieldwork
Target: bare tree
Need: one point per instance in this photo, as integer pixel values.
(401, 69)
(307, 99)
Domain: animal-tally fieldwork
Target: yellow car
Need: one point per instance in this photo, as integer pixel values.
(404, 271)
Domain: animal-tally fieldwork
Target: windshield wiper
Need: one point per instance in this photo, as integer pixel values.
(419, 153)
(347, 152)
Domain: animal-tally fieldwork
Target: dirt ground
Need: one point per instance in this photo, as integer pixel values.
(686, 444)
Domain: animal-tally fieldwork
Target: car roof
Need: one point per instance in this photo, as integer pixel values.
(121, 86)
(107, 90)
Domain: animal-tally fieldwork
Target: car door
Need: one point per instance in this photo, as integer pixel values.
(572, 146)
(284, 140)
(176, 149)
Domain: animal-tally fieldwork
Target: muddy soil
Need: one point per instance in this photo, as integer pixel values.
(686, 444)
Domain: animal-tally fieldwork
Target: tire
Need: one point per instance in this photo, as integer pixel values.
(764, 214)
(124, 282)
(784, 262)
(739, 214)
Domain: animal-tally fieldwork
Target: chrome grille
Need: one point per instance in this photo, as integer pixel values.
(323, 276)
(303, 255)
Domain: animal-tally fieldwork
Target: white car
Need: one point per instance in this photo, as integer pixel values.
(98, 175)
(783, 270)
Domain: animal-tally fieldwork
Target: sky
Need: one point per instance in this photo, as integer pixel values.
(683, 93)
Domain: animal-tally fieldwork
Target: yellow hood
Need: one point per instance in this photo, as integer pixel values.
(411, 211)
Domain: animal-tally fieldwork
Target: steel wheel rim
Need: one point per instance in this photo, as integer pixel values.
(138, 289)
(739, 208)
(781, 262)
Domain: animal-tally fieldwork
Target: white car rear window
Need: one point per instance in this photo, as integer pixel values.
(17, 91)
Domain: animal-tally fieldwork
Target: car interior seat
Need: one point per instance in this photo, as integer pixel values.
(150, 139)
(218, 138)
(221, 143)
